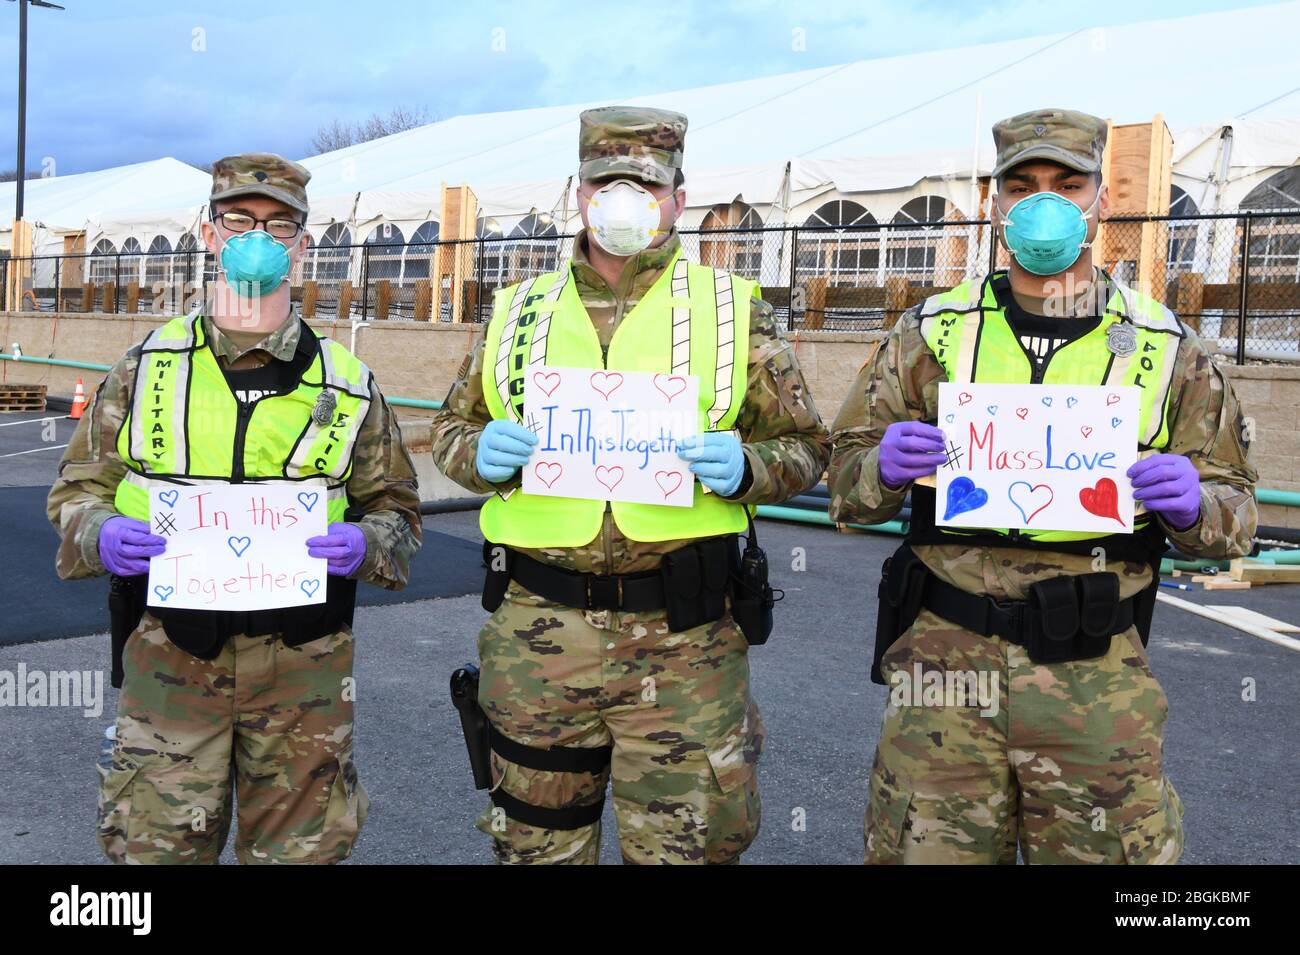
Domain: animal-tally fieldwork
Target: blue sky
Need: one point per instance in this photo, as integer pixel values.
(120, 81)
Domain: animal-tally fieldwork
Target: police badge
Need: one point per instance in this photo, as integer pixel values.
(1121, 340)
(323, 413)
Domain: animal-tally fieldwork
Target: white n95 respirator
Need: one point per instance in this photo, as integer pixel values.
(623, 217)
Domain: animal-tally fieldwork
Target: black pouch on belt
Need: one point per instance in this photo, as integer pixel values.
(902, 582)
(497, 559)
(473, 723)
(752, 597)
(1076, 617)
(125, 608)
(695, 582)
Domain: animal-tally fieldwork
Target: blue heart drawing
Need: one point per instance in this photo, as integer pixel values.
(949, 417)
(309, 587)
(1047, 400)
(163, 592)
(993, 409)
(239, 544)
(1071, 402)
(169, 497)
(1116, 422)
(308, 499)
(964, 496)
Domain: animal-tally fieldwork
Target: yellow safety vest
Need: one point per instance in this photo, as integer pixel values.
(969, 334)
(186, 426)
(693, 320)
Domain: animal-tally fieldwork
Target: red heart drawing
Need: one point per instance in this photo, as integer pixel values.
(615, 472)
(1102, 500)
(670, 386)
(551, 378)
(1022, 413)
(553, 468)
(1112, 399)
(963, 398)
(666, 478)
(1086, 431)
(606, 383)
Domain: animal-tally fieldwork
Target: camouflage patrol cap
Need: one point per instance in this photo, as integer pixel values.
(631, 141)
(1064, 136)
(261, 174)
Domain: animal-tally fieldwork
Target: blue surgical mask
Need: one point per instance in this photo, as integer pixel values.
(1046, 231)
(255, 262)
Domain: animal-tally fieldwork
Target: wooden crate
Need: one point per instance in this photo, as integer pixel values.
(17, 397)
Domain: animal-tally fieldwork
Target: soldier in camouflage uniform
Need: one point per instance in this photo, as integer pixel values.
(675, 706)
(268, 714)
(1068, 766)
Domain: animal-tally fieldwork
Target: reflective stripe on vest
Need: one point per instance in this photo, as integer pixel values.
(970, 336)
(182, 422)
(689, 322)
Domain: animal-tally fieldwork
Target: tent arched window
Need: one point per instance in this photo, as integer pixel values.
(188, 260)
(132, 268)
(739, 248)
(1274, 251)
(331, 258)
(424, 242)
(919, 251)
(533, 247)
(1182, 235)
(840, 245)
(384, 245)
(158, 263)
(103, 262)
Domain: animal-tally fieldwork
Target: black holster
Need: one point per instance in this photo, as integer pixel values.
(497, 559)
(125, 608)
(696, 579)
(473, 723)
(902, 582)
(752, 597)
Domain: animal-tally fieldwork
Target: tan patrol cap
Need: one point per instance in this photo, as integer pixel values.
(633, 141)
(261, 174)
(1065, 136)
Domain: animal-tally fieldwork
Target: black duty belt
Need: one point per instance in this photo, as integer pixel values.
(1065, 618)
(634, 593)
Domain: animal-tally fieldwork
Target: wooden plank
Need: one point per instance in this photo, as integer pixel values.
(110, 297)
(1290, 643)
(345, 301)
(383, 299)
(895, 299)
(1217, 584)
(423, 300)
(1278, 295)
(1260, 572)
(815, 307)
(1256, 618)
(310, 295)
(132, 298)
(1191, 294)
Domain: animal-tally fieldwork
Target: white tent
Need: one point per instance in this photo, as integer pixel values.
(882, 133)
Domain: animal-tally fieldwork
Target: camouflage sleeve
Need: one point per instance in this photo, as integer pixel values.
(785, 443)
(382, 484)
(898, 382)
(1209, 428)
(459, 422)
(81, 499)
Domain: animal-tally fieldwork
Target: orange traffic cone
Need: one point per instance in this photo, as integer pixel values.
(78, 400)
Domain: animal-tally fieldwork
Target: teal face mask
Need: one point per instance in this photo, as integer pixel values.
(255, 262)
(1045, 232)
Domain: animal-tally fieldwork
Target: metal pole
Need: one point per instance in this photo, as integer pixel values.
(117, 280)
(58, 261)
(478, 286)
(365, 282)
(1244, 302)
(794, 258)
(22, 108)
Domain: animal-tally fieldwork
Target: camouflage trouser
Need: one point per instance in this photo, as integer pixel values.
(675, 706)
(276, 721)
(1069, 767)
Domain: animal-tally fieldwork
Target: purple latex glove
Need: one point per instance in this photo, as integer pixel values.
(909, 450)
(125, 546)
(1169, 486)
(344, 547)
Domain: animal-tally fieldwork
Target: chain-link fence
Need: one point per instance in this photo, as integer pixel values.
(848, 278)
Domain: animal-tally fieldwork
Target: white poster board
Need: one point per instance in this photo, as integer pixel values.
(610, 435)
(1044, 457)
(236, 546)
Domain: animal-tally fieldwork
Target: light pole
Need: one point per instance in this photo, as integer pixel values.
(21, 171)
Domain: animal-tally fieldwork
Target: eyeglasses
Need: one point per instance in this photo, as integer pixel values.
(278, 228)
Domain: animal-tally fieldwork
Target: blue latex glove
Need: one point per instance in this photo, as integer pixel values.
(503, 448)
(717, 460)
(1169, 485)
(343, 547)
(125, 546)
(909, 450)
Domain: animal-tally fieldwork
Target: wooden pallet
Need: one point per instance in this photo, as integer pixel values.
(18, 397)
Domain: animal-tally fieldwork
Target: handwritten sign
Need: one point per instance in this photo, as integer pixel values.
(1044, 457)
(236, 546)
(610, 435)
